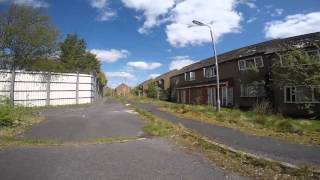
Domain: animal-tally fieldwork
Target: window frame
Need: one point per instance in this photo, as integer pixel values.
(313, 101)
(205, 70)
(244, 61)
(246, 85)
(188, 74)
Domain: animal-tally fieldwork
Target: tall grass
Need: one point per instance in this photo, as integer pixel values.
(260, 119)
(12, 116)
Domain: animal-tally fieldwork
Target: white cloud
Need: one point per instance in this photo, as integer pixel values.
(178, 14)
(221, 15)
(153, 76)
(152, 10)
(179, 62)
(105, 13)
(251, 20)
(99, 4)
(141, 65)
(293, 25)
(111, 55)
(249, 3)
(278, 12)
(33, 3)
(120, 74)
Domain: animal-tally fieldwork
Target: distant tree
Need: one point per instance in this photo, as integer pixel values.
(152, 91)
(26, 35)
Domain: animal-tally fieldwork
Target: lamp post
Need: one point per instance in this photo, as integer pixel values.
(216, 60)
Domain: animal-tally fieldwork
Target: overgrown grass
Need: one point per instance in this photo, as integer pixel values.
(14, 120)
(252, 122)
(235, 162)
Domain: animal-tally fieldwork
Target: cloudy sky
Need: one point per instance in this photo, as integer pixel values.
(138, 39)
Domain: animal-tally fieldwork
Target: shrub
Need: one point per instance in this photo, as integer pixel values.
(10, 115)
(263, 108)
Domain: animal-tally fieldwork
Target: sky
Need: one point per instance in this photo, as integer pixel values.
(139, 39)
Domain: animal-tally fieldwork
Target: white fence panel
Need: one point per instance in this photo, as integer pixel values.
(44, 88)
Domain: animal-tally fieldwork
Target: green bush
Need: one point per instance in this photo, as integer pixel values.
(10, 115)
(263, 108)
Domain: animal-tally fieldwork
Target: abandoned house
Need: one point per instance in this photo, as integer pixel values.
(196, 83)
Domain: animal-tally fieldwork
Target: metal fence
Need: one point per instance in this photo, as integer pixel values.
(45, 88)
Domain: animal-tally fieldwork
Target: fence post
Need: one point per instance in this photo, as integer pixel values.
(48, 88)
(13, 80)
(77, 89)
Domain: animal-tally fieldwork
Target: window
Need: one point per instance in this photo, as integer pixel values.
(209, 72)
(302, 94)
(190, 76)
(176, 80)
(256, 62)
(252, 90)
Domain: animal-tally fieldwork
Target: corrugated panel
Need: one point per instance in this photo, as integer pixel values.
(84, 100)
(64, 79)
(84, 93)
(62, 86)
(85, 87)
(85, 79)
(29, 95)
(30, 86)
(62, 94)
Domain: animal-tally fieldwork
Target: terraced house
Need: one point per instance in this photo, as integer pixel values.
(196, 83)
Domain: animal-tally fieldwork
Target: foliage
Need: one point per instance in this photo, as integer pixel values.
(263, 107)
(102, 79)
(297, 68)
(10, 115)
(75, 58)
(152, 91)
(26, 34)
(302, 130)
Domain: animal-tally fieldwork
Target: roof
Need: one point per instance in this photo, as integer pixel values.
(170, 73)
(122, 85)
(266, 47)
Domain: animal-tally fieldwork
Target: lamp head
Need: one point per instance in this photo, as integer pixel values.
(198, 23)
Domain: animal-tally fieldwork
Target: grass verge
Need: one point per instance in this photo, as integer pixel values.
(294, 130)
(236, 162)
(14, 120)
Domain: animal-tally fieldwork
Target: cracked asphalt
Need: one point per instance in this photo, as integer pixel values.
(136, 159)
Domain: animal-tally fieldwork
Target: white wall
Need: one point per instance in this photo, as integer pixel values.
(33, 88)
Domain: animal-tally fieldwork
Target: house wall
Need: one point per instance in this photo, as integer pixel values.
(231, 76)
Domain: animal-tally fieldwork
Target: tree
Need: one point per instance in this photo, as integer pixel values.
(152, 91)
(26, 35)
(298, 69)
(75, 58)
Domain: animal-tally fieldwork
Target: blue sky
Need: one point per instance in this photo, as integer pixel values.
(136, 39)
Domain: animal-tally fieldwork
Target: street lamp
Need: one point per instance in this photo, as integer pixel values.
(216, 60)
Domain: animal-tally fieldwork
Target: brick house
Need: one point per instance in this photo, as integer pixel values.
(163, 85)
(196, 83)
(122, 90)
